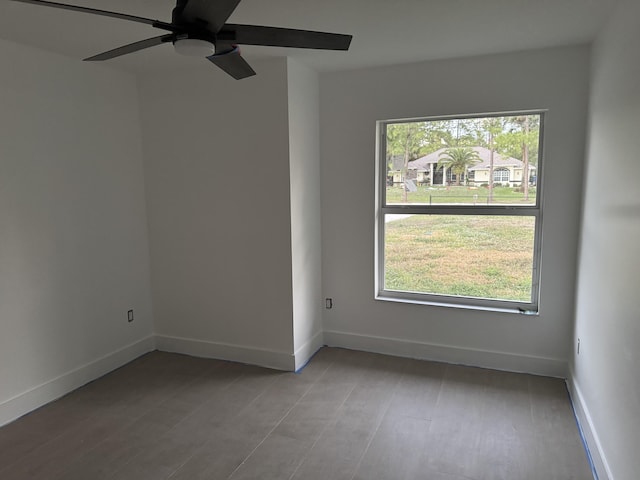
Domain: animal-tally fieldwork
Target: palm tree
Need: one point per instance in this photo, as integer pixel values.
(458, 159)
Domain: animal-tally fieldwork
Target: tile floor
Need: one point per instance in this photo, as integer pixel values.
(348, 415)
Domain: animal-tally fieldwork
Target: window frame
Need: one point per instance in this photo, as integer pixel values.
(382, 209)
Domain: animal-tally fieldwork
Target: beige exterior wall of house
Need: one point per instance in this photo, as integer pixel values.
(515, 176)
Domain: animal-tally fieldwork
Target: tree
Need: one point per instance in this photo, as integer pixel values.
(436, 134)
(520, 139)
(493, 126)
(405, 139)
(510, 141)
(458, 159)
(525, 156)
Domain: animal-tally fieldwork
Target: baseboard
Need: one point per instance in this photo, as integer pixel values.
(551, 367)
(587, 430)
(223, 351)
(55, 388)
(308, 350)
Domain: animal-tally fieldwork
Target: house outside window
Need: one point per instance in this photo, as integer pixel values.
(455, 238)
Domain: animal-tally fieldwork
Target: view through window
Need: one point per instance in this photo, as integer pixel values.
(459, 210)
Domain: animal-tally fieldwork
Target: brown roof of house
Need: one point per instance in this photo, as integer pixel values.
(423, 163)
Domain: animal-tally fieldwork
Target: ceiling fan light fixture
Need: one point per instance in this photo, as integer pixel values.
(193, 47)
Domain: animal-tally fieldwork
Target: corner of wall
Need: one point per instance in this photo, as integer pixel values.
(588, 433)
(47, 392)
(304, 178)
(262, 357)
(304, 354)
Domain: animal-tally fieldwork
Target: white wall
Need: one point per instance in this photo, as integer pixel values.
(351, 103)
(218, 199)
(606, 373)
(73, 239)
(304, 164)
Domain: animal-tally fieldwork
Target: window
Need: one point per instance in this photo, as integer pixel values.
(501, 175)
(456, 237)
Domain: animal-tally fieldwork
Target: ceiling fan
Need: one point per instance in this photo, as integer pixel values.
(198, 28)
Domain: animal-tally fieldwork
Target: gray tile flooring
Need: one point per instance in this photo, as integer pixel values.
(348, 415)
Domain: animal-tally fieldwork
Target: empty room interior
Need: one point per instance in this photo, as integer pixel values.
(192, 269)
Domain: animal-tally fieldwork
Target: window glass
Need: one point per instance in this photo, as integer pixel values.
(459, 210)
(452, 160)
(460, 255)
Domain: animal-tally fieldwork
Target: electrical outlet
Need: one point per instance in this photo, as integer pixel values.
(328, 303)
(130, 316)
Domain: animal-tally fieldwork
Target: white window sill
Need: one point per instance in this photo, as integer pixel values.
(464, 306)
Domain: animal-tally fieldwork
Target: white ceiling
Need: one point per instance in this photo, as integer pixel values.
(385, 31)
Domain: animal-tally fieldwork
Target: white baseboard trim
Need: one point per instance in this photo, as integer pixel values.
(36, 397)
(550, 367)
(588, 431)
(223, 351)
(308, 350)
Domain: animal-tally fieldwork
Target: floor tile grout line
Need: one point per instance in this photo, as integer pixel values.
(440, 388)
(324, 429)
(200, 447)
(277, 424)
(530, 395)
(440, 379)
(228, 385)
(88, 417)
(54, 438)
(197, 450)
(375, 431)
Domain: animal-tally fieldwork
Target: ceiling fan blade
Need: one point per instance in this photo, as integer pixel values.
(215, 12)
(283, 37)
(132, 47)
(104, 13)
(233, 63)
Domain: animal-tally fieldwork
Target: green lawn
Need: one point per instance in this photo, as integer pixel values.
(466, 195)
(477, 256)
